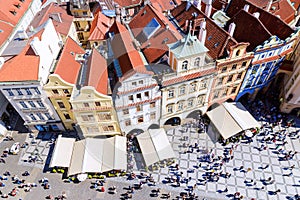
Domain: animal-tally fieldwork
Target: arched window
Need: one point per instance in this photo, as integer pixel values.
(237, 52)
(185, 65)
(197, 62)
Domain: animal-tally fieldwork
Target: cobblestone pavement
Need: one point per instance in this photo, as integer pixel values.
(246, 155)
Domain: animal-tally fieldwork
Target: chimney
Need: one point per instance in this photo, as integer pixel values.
(208, 8)
(246, 7)
(256, 15)
(118, 13)
(186, 25)
(231, 29)
(202, 32)
(269, 5)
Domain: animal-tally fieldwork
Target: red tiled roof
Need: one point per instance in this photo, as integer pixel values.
(128, 3)
(123, 48)
(24, 67)
(273, 24)
(163, 5)
(97, 74)
(218, 4)
(259, 3)
(67, 67)
(99, 27)
(256, 31)
(188, 77)
(217, 39)
(284, 9)
(156, 46)
(5, 31)
(56, 13)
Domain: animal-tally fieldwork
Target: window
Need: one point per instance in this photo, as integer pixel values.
(152, 105)
(97, 103)
(197, 62)
(170, 108)
(133, 83)
(146, 94)
(127, 122)
(140, 119)
(184, 65)
(182, 90)
(23, 104)
(40, 116)
(48, 116)
(139, 96)
(61, 104)
(151, 28)
(141, 82)
(86, 105)
(170, 93)
(244, 64)
(234, 67)
(28, 91)
(111, 128)
(220, 81)
(84, 13)
(92, 130)
(19, 92)
(40, 103)
(193, 87)
(80, 36)
(37, 90)
(55, 91)
(88, 118)
(224, 69)
(239, 76)
(77, 24)
(10, 93)
(233, 89)
(203, 84)
(32, 104)
(66, 91)
(125, 111)
(190, 102)
(230, 78)
(139, 108)
(201, 99)
(104, 116)
(225, 92)
(180, 106)
(32, 116)
(216, 94)
(67, 116)
(130, 98)
(152, 116)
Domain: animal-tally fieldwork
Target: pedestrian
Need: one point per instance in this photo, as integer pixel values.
(102, 189)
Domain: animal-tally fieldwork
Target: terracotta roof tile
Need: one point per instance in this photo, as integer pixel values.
(99, 27)
(60, 18)
(188, 77)
(217, 39)
(5, 31)
(97, 74)
(163, 5)
(23, 67)
(256, 31)
(259, 3)
(127, 3)
(284, 9)
(67, 67)
(123, 48)
(155, 46)
(273, 24)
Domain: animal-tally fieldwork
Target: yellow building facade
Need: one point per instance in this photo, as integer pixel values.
(94, 113)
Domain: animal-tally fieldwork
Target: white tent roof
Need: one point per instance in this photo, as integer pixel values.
(98, 155)
(62, 152)
(231, 118)
(155, 146)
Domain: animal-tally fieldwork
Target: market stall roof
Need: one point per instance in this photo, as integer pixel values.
(95, 155)
(62, 152)
(155, 146)
(231, 118)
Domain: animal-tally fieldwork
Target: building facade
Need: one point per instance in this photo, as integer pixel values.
(137, 101)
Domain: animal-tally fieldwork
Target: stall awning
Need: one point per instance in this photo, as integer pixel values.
(95, 155)
(155, 146)
(231, 118)
(62, 152)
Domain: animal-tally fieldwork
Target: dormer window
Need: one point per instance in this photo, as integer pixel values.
(151, 28)
(197, 62)
(22, 1)
(17, 5)
(184, 65)
(13, 12)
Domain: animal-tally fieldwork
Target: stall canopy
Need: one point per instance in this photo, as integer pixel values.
(231, 118)
(62, 152)
(94, 155)
(155, 146)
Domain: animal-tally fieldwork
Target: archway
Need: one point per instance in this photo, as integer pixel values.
(134, 132)
(174, 121)
(213, 106)
(229, 100)
(296, 112)
(244, 99)
(153, 126)
(196, 114)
